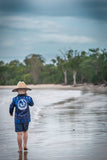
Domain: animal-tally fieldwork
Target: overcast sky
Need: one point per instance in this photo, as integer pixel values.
(47, 26)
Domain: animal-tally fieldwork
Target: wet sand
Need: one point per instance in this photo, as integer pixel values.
(66, 125)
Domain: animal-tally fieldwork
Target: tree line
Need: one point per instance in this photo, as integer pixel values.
(70, 67)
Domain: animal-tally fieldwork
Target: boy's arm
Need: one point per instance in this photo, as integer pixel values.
(11, 108)
(31, 103)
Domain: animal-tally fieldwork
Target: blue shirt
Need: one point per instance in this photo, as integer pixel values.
(21, 104)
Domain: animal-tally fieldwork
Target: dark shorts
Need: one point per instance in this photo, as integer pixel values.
(21, 127)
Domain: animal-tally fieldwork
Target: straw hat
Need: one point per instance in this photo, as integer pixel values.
(21, 85)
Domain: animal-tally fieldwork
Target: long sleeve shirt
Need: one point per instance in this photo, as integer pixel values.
(21, 105)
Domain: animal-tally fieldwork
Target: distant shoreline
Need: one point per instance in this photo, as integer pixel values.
(82, 87)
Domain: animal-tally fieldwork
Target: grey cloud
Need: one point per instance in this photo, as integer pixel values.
(10, 5)
(96, 9)
(15, 7)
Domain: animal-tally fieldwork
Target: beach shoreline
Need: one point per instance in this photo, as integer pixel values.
(82, 87)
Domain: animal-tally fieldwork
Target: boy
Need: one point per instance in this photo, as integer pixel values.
(21, 104)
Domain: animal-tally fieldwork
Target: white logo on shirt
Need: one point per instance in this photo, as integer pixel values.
(22, 104)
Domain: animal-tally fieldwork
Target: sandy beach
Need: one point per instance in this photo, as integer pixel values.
(82, 87)
(65, 125)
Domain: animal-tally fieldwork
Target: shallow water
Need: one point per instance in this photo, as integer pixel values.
(66, 125)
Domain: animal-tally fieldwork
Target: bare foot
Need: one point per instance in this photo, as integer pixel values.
(20, 151)
(25, 148)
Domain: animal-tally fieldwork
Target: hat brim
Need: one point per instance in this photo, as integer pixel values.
(16, 89)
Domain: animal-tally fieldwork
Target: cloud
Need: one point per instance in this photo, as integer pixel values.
(95, 9)
(63, 38)
(7, 43)
(29, 42)
(26, 23)
(38, 30)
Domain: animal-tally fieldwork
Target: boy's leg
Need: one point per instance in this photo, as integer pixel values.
(25, 138)
(19, 140)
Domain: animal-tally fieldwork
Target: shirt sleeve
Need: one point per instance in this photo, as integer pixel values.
(11, 108)
(31, 103)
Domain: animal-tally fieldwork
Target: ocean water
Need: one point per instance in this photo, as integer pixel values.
(65, 125)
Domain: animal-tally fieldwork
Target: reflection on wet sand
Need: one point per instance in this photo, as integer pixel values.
(23, 156)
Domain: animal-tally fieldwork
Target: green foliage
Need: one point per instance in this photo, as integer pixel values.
(34, 65)
(27, 78)
(89, 67)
